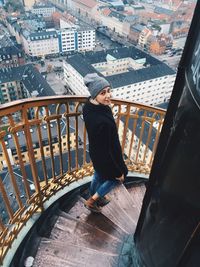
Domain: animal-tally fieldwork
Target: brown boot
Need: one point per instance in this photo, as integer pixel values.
(103, 201)
(91, 205)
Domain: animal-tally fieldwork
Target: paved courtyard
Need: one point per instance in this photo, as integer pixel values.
(57, 83)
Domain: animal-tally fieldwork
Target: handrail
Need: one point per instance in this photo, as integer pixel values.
(43, 148)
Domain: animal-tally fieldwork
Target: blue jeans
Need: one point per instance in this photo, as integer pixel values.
(101, 186)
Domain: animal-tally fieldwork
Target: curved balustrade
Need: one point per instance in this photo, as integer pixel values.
(43, 148)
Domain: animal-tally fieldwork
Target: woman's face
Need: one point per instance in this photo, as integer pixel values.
(104, 97)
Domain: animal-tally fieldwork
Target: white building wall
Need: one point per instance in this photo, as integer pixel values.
(145, 33)
(68, 40)
(113, 24)
(86, 40)
(45, 11)
(74, 80)
(126, 29)
(39, 48)
(66, 24)
(111, 67)
(149, 92)
(29, 3)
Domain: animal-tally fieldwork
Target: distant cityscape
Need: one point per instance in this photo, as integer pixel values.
(136, 45)
(47, 47)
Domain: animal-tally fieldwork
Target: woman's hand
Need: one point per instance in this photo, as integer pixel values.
(120, 179)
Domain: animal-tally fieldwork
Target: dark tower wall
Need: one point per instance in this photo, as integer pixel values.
(167, 233)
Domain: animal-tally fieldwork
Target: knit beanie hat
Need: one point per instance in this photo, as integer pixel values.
(95, 84)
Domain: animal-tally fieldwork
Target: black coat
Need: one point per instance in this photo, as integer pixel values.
(104, 146)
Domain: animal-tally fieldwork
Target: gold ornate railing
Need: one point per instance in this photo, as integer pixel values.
(43, 149)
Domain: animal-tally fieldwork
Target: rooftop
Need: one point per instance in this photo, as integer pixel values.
(153, 67)
(34, 135)
(161, 10)
(87, 3)
(43, 34)
(11, 50)
(117, 15)
(137, 27)
(29, 76)
(36, 6)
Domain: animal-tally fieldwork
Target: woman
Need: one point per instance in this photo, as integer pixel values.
(104, 146)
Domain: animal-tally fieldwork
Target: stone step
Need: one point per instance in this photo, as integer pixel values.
(97, 220)
(83, 234)
(121, 196)
(137, 194)
(53, 253)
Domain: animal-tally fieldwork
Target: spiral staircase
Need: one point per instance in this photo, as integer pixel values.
(44, 161)
(76, 237)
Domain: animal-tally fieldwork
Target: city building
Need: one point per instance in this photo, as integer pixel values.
(45, 146)
(11, 56)
(144, 35)
(29, 3)
(85, 8)
(22, 82)
(5, 38)
(46, 10)
(37, 41)
(133, 74)
(135, 31)
(116, 4)
(27, 23)
(74, 37)
(118, 22)
(40, 44)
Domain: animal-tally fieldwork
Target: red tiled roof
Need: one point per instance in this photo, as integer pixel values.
(57, 16)
(106, 12)
(154, 15)
(185, 12)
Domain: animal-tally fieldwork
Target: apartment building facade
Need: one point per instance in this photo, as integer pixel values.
(37, 41)
(11, 56)
(133, 74)
(39, 44)
(22, 82)
(44, 10)
(76, 39)
(13, 155)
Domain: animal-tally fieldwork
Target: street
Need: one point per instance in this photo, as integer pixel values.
(104, 42)
(171, 61)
